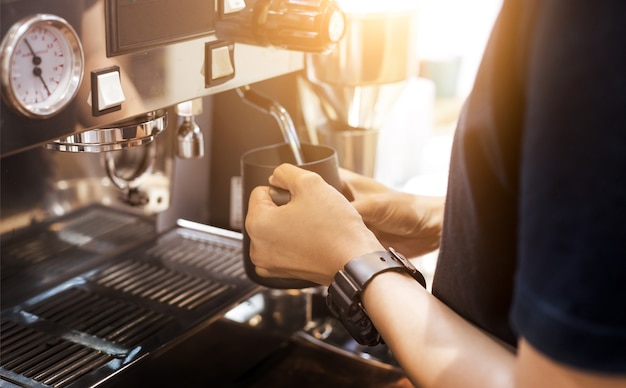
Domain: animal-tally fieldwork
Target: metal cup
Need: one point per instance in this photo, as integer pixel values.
(256, 167)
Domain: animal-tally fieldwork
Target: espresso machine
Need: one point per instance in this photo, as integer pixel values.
(115, 268)
(348, 93)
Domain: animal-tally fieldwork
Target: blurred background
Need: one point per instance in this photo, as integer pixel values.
(416, 138)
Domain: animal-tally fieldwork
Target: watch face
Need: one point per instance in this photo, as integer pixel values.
(42, 65)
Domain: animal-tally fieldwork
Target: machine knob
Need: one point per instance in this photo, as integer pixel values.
(314, 26)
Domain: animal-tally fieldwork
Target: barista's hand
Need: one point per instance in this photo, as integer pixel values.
(312, 236)
(409, 223)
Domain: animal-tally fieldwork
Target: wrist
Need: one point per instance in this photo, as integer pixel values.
(345, 292)
(347, 252)
(378, 289)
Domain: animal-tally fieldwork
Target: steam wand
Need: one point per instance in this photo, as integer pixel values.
(285, 123)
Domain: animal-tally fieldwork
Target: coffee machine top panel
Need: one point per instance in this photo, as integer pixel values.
(73, 65)
(131, 24)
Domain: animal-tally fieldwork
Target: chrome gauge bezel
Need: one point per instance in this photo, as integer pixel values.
(66, 91)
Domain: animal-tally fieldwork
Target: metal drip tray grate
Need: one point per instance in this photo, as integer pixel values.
(44, 358)
(102, 317)
(38, 258)
(160, 284)
(219, 260)
(93, 229)
(115, 314)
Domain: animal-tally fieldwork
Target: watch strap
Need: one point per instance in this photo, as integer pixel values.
(344, 293)
(341, 302)
(364, 268)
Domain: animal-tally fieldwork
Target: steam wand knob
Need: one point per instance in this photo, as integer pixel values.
(314, 26)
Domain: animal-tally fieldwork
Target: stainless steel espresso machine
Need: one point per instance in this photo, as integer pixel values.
(114, 271)
(348, 93)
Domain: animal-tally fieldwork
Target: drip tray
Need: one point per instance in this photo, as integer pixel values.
(123, 310)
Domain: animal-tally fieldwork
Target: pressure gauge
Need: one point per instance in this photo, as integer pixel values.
(42, 65)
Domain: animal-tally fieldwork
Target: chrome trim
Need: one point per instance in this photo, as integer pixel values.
(143, 170)
(208, 229)
(7, 50)
(135, 132)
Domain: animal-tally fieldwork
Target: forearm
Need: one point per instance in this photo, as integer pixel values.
(434, 345)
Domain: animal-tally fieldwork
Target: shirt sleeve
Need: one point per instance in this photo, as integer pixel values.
(570, 293)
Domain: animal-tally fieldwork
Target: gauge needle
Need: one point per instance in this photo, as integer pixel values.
(37, 69)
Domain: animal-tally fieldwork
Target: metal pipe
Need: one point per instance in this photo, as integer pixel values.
(285, 123)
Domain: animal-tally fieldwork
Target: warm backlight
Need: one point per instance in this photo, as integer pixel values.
(376, 6)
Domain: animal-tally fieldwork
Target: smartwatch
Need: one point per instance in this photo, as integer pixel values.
(344, 293)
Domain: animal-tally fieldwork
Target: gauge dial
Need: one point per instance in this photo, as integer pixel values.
(42, 65)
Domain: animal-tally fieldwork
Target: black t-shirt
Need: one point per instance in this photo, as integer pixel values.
(534, 240)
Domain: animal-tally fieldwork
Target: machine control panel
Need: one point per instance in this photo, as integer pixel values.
(69, 66)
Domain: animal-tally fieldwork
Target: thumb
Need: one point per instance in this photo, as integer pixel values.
(284, 175)
(372, 210)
